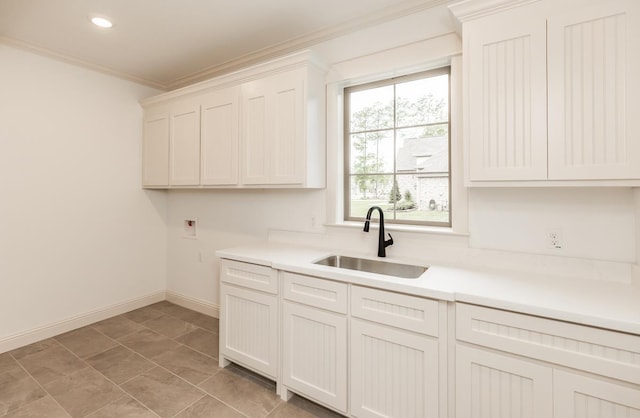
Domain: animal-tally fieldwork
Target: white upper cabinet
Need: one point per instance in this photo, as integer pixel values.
(505, 66)
(258, 127)
(219, 137)
(273, 114)
(594, 83)
(155, 150)
(184, 138)
(551, 88)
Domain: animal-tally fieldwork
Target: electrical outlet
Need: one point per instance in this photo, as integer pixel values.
(554, 239)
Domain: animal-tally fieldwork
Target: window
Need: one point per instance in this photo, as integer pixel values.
(397, 149)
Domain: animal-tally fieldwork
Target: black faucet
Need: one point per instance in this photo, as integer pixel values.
(382, 244)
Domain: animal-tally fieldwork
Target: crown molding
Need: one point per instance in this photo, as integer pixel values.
(474, 9)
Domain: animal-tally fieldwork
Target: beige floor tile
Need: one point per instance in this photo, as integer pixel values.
(203, 321)
(43, 407)
(241, 392)
(162, 392)
(52, 363)
(203, 341)
(7, 363)
(86, 342)
(298, 407)
(34, 348)
(188, 364)
(17, 389)
(83, 392)
(123, 407)
(120, 364)
(149, 343)
(208, 407)
(117, 327)
(169, 308)
(169, 326)
(143, 314)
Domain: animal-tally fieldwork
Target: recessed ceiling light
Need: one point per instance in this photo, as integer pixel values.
(102, 22)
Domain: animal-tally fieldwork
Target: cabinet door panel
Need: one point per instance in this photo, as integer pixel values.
(185, 146)
(393, 373)
(248, 331)
(491, 385)
(155, 151)
(506, 66)
(583, 397)
(315, 354)
(288, 116)
(254, 135)
(594, 59)
(219, 138)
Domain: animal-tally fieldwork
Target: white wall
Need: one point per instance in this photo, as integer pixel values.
(77, 232)
(597, 224)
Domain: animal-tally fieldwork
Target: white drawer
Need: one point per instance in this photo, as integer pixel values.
(252, 276)
(395, 309)
(596, 350)
(324, 294)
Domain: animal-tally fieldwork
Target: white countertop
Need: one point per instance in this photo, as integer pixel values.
(597, 303)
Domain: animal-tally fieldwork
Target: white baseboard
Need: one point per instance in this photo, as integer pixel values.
(41, 333)
(194, 304)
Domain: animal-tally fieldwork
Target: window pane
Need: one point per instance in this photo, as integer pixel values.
(367, 191)
(423, 101)
(371, 109)
(372, 152)
(419, 152)
(424, 198)
(397, 149)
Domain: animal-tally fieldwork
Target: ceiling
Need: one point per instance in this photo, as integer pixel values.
(171, 43)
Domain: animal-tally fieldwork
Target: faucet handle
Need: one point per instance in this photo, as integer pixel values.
(389, 241)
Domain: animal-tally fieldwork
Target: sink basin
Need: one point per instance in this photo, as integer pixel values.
(405, 271)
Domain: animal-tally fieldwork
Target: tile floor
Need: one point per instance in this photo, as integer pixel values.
(160, 360)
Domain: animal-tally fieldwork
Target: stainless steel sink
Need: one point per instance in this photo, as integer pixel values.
(405, 271)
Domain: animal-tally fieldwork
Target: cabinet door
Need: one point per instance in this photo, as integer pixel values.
(185, 145)
(505, 67)
(273, 121)
(315, 354)
(492, 385)
(584, 397)
(249, 329)
(155, 152)
(219, 138)
(393, 373)
(594, 91)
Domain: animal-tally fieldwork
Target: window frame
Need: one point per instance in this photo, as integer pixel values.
(346, 174)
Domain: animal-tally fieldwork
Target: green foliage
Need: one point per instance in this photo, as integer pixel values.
(407, 196)
(395, 195)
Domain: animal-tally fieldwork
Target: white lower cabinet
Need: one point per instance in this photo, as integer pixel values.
(394, 373)
(517, 367)
(249, 317)
(314, 354)
(578, 396)
(492, 385)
